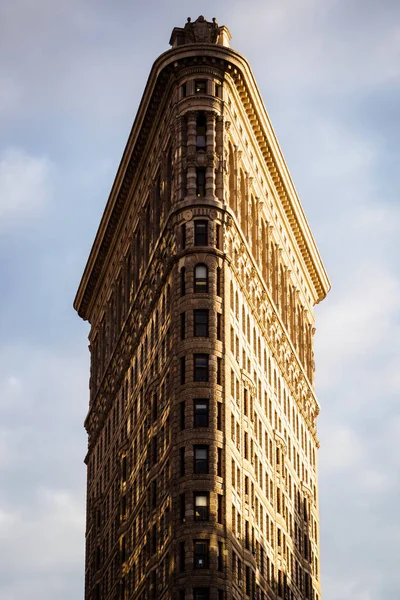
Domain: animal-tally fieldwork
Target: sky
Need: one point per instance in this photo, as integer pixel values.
(71, 78)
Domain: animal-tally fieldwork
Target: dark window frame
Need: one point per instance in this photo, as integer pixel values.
(201, 232)
(201, 513)
(203, 555)
(200, 86)
(201, 418)
(201, 132)
(183, 281)
(202, 593)
(200, 182)
(201, 372)
(200, 283)
(201, 322)
(201, 466)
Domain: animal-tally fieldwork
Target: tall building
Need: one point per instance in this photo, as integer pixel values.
(199, 289)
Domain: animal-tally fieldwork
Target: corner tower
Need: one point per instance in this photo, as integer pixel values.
(199, 289)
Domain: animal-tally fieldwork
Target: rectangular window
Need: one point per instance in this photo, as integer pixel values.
(182, 507)
(200, 409)
(200, 459)
(201, 130)
(182, 415)
(183, 235)
(200, 183)
(219, 462)
(182, 461)
(218, 281)
(220, 556)
(200, 279)
(200, 367)
(219, 511)
(200, 320)
(200, 86)
(181, 556)
(183, 369)
(219, 326)
(219, 371)
(219, 416)
(183, 281)
(218, 236)
(201, 506)
(248, 581)
(183, 325)
(201, 594)
(201, 233)
(184, 90)
(200, 552)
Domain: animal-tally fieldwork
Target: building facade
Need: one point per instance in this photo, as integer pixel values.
(199, 289)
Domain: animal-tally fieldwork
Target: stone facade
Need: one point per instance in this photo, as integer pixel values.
(200, 287)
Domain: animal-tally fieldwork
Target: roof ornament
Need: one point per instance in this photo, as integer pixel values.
(200, 31)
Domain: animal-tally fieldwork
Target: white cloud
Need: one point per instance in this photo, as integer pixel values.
(25, 186)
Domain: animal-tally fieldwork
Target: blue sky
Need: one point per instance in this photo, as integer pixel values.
(71, 77)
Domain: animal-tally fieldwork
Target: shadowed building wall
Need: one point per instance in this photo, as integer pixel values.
(199, 289)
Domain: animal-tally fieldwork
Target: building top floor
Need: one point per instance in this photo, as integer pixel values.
(192, 77)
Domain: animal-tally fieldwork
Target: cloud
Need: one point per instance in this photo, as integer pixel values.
(42, 546)
(322, 48)
(42, 445)
(25, 186)
(71, 86)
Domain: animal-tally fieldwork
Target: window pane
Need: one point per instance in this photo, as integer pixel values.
(200, 86)
(201, 594)
(200, 182)
(201, 413)
(200, 279)
(201, 503)
(201, 555)
(201, 132)
(201, 367)
(200, 233)
(201, 459)
(201, 323)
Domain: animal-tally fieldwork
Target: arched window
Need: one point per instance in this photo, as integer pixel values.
(200, 279)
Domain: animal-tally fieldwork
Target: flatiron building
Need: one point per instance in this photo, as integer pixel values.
(199, 290)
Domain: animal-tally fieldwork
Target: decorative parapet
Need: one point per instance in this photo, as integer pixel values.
(200, 32)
